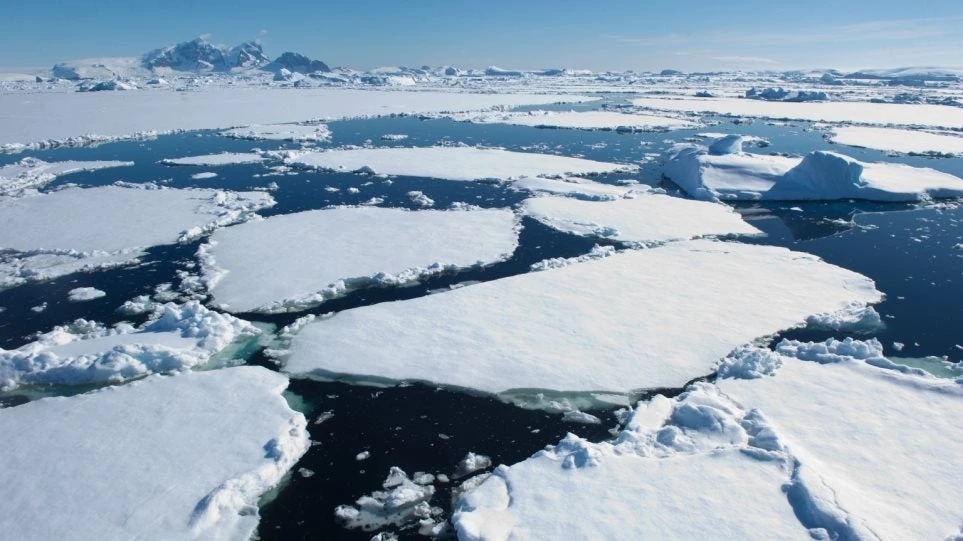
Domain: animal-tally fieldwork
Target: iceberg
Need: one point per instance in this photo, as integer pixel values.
(168, 457)
(452, 163)
(589, 120)
(644, 319)
(32, 173)
(895, 140)
(645, 218)
(294, 261)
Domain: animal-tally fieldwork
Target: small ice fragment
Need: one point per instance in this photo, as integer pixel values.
(204, 175)
(898, 346)
(581, 417)
(304, 472)
(470, 464)
(81, 294)
(363, 455)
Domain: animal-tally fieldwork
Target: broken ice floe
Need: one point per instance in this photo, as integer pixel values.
(723, 171)
(576, 187)
(225, 158)
(895, 140)
(645, 319)
(588, 120)
(298, 260)
(54, 234)
(34, 173)
(646, 218)
(81, 294)
(129, 456)
(175, 338)
(452, 163)
(403, 501)
(281, 132)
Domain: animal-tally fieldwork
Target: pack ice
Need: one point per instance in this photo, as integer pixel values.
(589, 120)
(75, 229)
(281, 132)
(297, 260)
(176, 338)
(895, 140)
(724, 171)
(453, 163)
(34, 173)
(644, 218)
(638, 320)
(168, 457)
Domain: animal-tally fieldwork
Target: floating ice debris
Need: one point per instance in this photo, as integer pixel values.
(452, 163)
(54, 234)
(894, 140)
(647, 218)
(820, 175)
(644, 319)
(226, 158)
(204, 176)
(420, 199)
(588, 120)
(578, 188)
(281, 132)
(81, 294)
(363, 455)
(34, 173)
(471, 464)
(403, 502)
(394, 137)
(580, 417)
(129, 456)
(293, 261)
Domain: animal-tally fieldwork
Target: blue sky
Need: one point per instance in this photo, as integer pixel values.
(689, 35)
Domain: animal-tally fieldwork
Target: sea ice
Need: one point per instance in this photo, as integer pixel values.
(168, 457)
(646, 218)
(589, 120)
(175, 338)
(297, 260)
(574, 187)
(453, 163)
(33, 173)
(281, 132)
(645, 319)
(894, 140)
(226, 158)
(81, 294)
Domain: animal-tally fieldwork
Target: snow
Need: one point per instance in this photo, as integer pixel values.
(644, 319)
(886, 445)
(299, 260)
(820, 175)
(646, 218)
(452, 163)
(121, 115)
(849, 111)
(226, 158)
(176, 338)
(281, 132)
(164, 458)
(34, 173)
(893, 140)
(56, 236)
(573, 187)
(589, 120)
(80, 294)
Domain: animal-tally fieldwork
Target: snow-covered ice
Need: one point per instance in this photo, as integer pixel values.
(573, 187)
(653, 318)
(895, 140)
(589, 120)
(453, 163)
(298, 260)
(176, 338)
(737, 175)
(226, 158)
(402, 501)
(204, 175)
(34, 173)
(281, 132)
(81, 294)
(646, 218)
(176, 457)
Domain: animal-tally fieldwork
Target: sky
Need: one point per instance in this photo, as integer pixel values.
(642, 35)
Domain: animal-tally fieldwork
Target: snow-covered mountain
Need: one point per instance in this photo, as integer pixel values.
(200, 55)
(297, 63)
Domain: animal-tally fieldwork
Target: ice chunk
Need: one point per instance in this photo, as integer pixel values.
(647, 218)
(226, 158)
(727, 176)
(80, 294)
(204, 176)
(281, 132)
(298, 260)
(403, 502)
(643, 319)
(895, 140)
(33, 173)
(130, 456)
(452, 163)
(588, 120)
(471, 464)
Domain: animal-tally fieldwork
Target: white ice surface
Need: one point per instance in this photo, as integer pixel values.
(226, 158)
(81, 294)
(281, 132)
(643, 319)
(297, 260)
(646, 218)
(879, 450)
(894, 140)
(25, 119)
(573, 187)
(179, 457)
(34, 173)
(453, 163)
(589, 120)
(833, 111)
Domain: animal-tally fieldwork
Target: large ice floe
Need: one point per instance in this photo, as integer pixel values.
(579, 188)
(453, 163)
(226, 158)
(644, 319)
(298, 260)
(176, 338)
(895, 140)
(55, 234)
(645, 218)
(281, 132)
(34, 173)
(724, 171)
(589, 120)
(169, 457)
